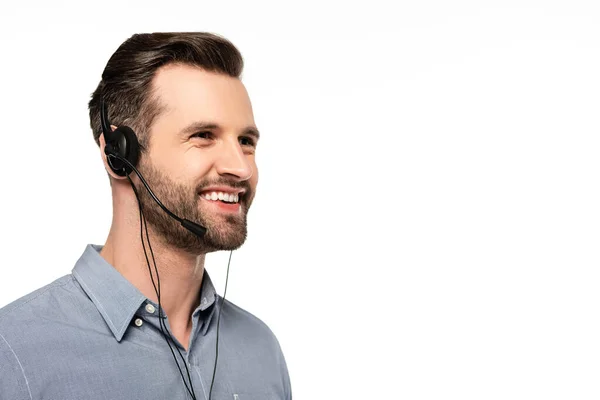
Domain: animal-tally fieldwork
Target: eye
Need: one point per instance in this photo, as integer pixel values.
(247, 141)
(202, 135)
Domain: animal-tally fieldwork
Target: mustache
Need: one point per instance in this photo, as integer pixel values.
(225, 182)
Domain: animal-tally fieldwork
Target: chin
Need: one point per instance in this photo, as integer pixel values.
(229, 241)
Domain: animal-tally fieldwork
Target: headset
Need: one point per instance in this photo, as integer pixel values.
(122, 151)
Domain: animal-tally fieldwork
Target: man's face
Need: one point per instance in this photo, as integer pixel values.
(200, 162)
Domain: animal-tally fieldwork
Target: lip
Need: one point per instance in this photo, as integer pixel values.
(224, 189)
(223, 207)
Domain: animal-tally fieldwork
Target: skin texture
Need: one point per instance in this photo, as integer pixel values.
(178, 166)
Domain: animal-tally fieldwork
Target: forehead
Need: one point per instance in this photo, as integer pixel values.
(188, 94)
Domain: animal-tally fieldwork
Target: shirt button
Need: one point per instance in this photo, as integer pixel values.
(138, 322)
(150, 308)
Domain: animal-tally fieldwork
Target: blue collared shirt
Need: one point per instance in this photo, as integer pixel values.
(92, 335)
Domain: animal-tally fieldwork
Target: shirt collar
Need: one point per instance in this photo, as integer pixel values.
(114, 296)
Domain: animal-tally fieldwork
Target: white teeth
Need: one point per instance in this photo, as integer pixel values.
(228, 197)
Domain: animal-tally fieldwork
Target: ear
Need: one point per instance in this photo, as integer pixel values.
(104, 158)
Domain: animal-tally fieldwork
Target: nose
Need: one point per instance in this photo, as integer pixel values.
(233, 161)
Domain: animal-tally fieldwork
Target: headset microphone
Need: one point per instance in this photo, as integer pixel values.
(193, 227)
(123, 152)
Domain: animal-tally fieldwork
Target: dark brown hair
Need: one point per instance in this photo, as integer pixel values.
(126, 83)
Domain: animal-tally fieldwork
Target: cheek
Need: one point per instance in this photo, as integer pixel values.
(193, 165)
(254, 179)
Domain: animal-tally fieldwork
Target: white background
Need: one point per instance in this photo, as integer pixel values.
(427, 218)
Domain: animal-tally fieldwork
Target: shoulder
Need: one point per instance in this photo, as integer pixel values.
(18, 330)
(36, 301)
(246, 322)
(250, 329)
(253, 333)
(43, 313)
(31, 317)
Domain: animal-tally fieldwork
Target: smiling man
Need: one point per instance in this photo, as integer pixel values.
(117, 328)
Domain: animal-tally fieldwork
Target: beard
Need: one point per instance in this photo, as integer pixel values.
(223, 231)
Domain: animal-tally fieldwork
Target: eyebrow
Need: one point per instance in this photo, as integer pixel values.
(200, 126)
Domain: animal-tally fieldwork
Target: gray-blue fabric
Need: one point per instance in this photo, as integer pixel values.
(90, 335)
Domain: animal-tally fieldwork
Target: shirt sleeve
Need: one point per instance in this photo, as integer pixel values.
(286, 380)
(13, 383)
(285, 376)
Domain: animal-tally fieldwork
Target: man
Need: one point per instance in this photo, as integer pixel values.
(102, 332)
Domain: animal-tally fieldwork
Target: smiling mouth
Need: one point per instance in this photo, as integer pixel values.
(223, 197)
(223, 202)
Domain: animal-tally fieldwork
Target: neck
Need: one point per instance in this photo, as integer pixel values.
(180, 272)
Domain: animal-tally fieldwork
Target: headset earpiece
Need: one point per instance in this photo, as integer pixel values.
(121, 142)
(126, 145)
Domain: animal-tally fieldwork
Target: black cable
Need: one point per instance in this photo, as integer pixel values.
(218, 322)
(195, 229)
(162, 324)
(162, 319)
